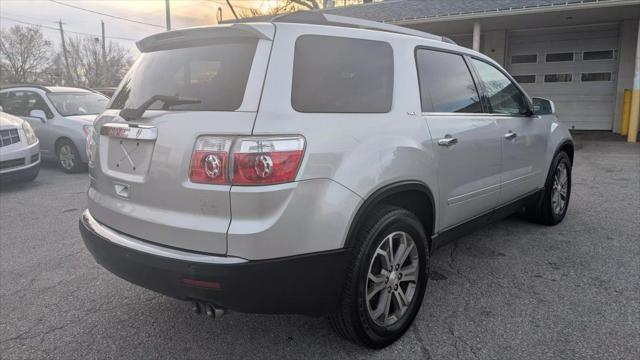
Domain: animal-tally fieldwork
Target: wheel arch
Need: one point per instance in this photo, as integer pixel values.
(566, 146)
(414, 196)
(59, 140)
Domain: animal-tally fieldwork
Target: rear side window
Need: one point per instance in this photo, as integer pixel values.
(214, 75)
(446, 84)
(342, 75)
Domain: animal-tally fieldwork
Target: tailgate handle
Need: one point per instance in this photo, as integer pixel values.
(129, 131)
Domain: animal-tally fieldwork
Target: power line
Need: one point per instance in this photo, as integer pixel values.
(105, 14)
(69, 31)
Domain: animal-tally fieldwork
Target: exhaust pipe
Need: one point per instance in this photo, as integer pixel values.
(213, 312)
(209, 309)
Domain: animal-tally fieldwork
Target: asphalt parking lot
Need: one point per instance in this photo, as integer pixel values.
(514, 290)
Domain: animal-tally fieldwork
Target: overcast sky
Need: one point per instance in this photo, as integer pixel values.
(184, 13)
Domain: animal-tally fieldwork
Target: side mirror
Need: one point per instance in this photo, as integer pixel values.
(543, 106)
(39, 114)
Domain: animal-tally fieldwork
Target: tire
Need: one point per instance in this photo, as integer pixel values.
(547, 211)
(356, 318)
(69, 159)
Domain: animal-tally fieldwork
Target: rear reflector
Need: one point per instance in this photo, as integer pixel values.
(201, 283)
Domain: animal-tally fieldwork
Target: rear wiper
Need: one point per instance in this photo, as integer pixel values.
(168, 101)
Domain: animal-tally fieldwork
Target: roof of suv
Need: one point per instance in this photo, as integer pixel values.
(53, 89)
(164, 39)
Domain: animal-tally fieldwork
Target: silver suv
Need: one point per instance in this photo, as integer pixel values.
(311, 165)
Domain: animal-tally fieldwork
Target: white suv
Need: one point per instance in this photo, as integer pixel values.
(311, 165)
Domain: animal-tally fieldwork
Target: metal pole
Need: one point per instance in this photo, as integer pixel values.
(476, 36)
(64, 52)
(105, 72)
(232, 10)
(635, 97)
(168, 11)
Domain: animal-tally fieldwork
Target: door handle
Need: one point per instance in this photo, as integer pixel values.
(510, 135)
(448, 140)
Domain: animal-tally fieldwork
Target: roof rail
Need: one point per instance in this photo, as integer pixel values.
(12, 86)
(317, 18)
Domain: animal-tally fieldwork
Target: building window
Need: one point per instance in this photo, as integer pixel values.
(601, 76)
(598, 55)
(556, 57)
(524, 59)
(525, 79)
(553, 78)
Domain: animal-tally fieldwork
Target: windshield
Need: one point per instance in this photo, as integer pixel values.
(81, 103)
(213, 76)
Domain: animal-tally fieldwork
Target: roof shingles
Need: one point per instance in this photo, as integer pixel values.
(397, 10)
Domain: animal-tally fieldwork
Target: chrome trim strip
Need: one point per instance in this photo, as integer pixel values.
(129, 131)
(488, 115)
(138, 245)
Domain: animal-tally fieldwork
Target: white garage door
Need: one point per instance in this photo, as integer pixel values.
(574, 67)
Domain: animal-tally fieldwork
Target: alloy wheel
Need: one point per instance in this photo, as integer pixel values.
(66, 156)
(560, 189)
(392, 278)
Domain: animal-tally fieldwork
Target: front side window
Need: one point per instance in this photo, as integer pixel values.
(211, 77)
(446, 84)
(342, 75)
(21, 103)
(503, 95)
(80, 103)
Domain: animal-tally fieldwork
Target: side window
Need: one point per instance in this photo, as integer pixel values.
(504, 97)
(4, 100)
(342, 75)
(20, 103)
(446, 84)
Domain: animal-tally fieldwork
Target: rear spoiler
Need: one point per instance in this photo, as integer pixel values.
(201, 35)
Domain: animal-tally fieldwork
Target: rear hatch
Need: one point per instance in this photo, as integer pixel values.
(140, 157)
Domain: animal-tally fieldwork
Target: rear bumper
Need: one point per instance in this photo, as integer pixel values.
(308, 284)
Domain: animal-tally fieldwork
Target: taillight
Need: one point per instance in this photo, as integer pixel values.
(210, 161)
(267, 161)
(89, 134)
(254, 160)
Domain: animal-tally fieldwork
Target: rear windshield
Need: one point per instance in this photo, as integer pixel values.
(213, 75)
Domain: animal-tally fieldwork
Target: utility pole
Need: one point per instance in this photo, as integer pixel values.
(232, 10)
(64, 52)
(168, 11)
(105, 72)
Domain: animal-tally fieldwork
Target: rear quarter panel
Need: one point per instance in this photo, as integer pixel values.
(362, 152)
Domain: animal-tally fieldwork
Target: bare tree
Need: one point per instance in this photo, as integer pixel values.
(88, 68)
(24, 54)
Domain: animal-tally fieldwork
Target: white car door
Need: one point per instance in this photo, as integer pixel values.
(466, 140)
(524, 135)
